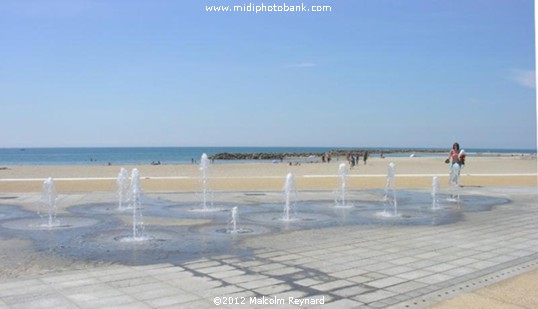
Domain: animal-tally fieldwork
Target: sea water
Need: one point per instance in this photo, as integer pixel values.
(181, 155)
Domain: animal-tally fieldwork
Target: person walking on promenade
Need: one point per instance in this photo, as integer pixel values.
(456, 156)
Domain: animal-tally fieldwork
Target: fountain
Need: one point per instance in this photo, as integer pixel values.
(340, 200)
(290, 192)
(390, 194)
(453, 181)
(234, 229)
(122, 183)
(48, 204)
(135, 195)
(435, 190)
(234, 220)
(204, 165)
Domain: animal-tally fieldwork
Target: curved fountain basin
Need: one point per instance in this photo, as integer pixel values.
(161, 244)
(61, 222)
(174, 232)
(221, 229)
(13, 211)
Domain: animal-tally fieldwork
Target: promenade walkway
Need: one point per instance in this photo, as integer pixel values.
(489, 259)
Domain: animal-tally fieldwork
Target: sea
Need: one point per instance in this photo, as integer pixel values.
(184, 155)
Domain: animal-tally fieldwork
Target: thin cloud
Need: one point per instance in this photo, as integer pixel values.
(525, 78)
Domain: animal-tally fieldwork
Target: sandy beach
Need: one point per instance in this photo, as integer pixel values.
(414, 172)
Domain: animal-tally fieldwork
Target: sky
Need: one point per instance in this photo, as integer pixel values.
(367, 73)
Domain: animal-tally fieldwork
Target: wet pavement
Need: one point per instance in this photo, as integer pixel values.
(345, 257)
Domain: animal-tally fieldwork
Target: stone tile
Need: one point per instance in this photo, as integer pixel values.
(132, 282)
(265, 267)
(349, 273)
(259, 283)
(282, 271)
(418, 273)
(394, 270)
(88, 293)
(215, 269)
(198, 304)
(286, 257)
(403, 260)
(308, 282)
(328, 286)
(201, 264)
(482, 264)
(194, 283)
(47, 301)
(15, 285)
(373, 296)
(164, 270)
(360, 279)
(243, 278)
(352, 291)
(464, 261)
(135, 305)
(107, 302)
(406, 287)
(375, 276)
(459, 271)
(385, 282)
(438, 268)
(273, 289)
(80, 276)
(219, 291)
(172, 300)
(339, 304)
(226, 274)
(154, 293)
(434, 279)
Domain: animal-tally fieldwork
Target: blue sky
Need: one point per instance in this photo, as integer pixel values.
(375, 73)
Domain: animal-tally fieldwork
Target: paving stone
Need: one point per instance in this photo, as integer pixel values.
(394, 270)
(172, 300)
(107, 302)
(259, 283)
(434, 279)
(406, 287)
(349, 273)
(352, 291)
(282, 271)
(273, 289)
(441, 267)
(266, 267)
(328, 286)
(385, 282)
(373, 296)
(339, 304)
(417, 273)
(243, 278)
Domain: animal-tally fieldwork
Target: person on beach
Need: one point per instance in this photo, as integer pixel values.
(456, 156)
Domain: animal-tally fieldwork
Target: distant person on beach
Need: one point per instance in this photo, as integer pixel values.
(365, 157)
(456, 156)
